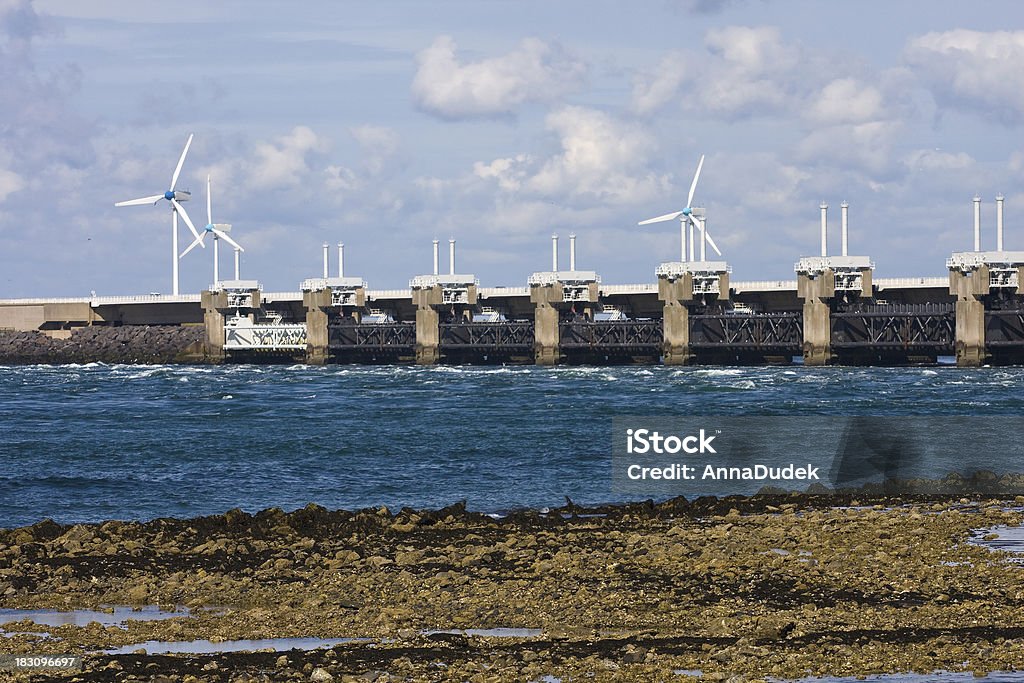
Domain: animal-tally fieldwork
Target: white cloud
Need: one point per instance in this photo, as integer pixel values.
(706, 6)
(936, 159)
(1016, 162)
(753, 70)
(752, 49)
(378, 145)
(10, 182)
(973, 70)
(652, 90)
(509, 173)
(865, 146)
(847, 100)
(601, 157)
(743, 71)
(536, 71)
(284, 163)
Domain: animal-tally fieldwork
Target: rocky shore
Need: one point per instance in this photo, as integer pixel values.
(731, 589)
(101, 344)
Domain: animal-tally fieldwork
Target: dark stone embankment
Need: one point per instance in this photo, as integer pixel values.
(128, 344)
(741, 589)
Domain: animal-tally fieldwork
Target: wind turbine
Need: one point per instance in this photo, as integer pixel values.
(685, 215)
(218, 230)
(174, 197)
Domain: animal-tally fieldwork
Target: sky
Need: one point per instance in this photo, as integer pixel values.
(386, 125)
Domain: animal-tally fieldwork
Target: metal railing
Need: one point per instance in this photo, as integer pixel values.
(629, 289)
(103, 300)
(763, 285)
(265, 337)
(891, 282)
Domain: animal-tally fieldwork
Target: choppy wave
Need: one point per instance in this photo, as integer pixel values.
(96, 441)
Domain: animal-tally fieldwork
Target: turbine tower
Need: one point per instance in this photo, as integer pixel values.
(175, 197)
(218, 230)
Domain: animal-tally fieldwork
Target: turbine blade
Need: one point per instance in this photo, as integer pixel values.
(224, 236)
(181, 161)
(141, 200)
(659, 219)
(693, 185)
(188, 221)
(707, 235)
(223, 227)
(198, 240)
(209, 207)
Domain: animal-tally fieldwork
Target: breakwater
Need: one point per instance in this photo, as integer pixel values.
(133, 344)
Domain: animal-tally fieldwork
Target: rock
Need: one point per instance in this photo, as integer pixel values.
(320, 675)
(282, 662)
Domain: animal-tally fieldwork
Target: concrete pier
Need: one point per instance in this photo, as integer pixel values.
(683, 286)
(970, 286)
(326, 300)
(240, 298)
(824, 283)
(436, 298)
(214, 306)
(676, 293)
(817, 291)
(317, 304)
(557, 295)
(980, 282)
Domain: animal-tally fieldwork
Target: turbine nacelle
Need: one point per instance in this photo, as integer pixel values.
(180, 195)
(214, 227)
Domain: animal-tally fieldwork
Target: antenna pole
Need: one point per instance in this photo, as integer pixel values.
(977, 223)
(845, 206)
(999, 222)
(824, 229)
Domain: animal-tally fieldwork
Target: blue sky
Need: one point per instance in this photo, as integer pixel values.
(387, 124)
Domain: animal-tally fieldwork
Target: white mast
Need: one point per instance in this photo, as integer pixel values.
(999, 222)
(977, 223)
(845, 206)
(824, 229)
(174, 252)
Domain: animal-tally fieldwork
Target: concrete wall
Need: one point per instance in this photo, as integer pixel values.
(22, 318)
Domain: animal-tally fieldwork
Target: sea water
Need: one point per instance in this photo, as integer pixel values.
(95, 442)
